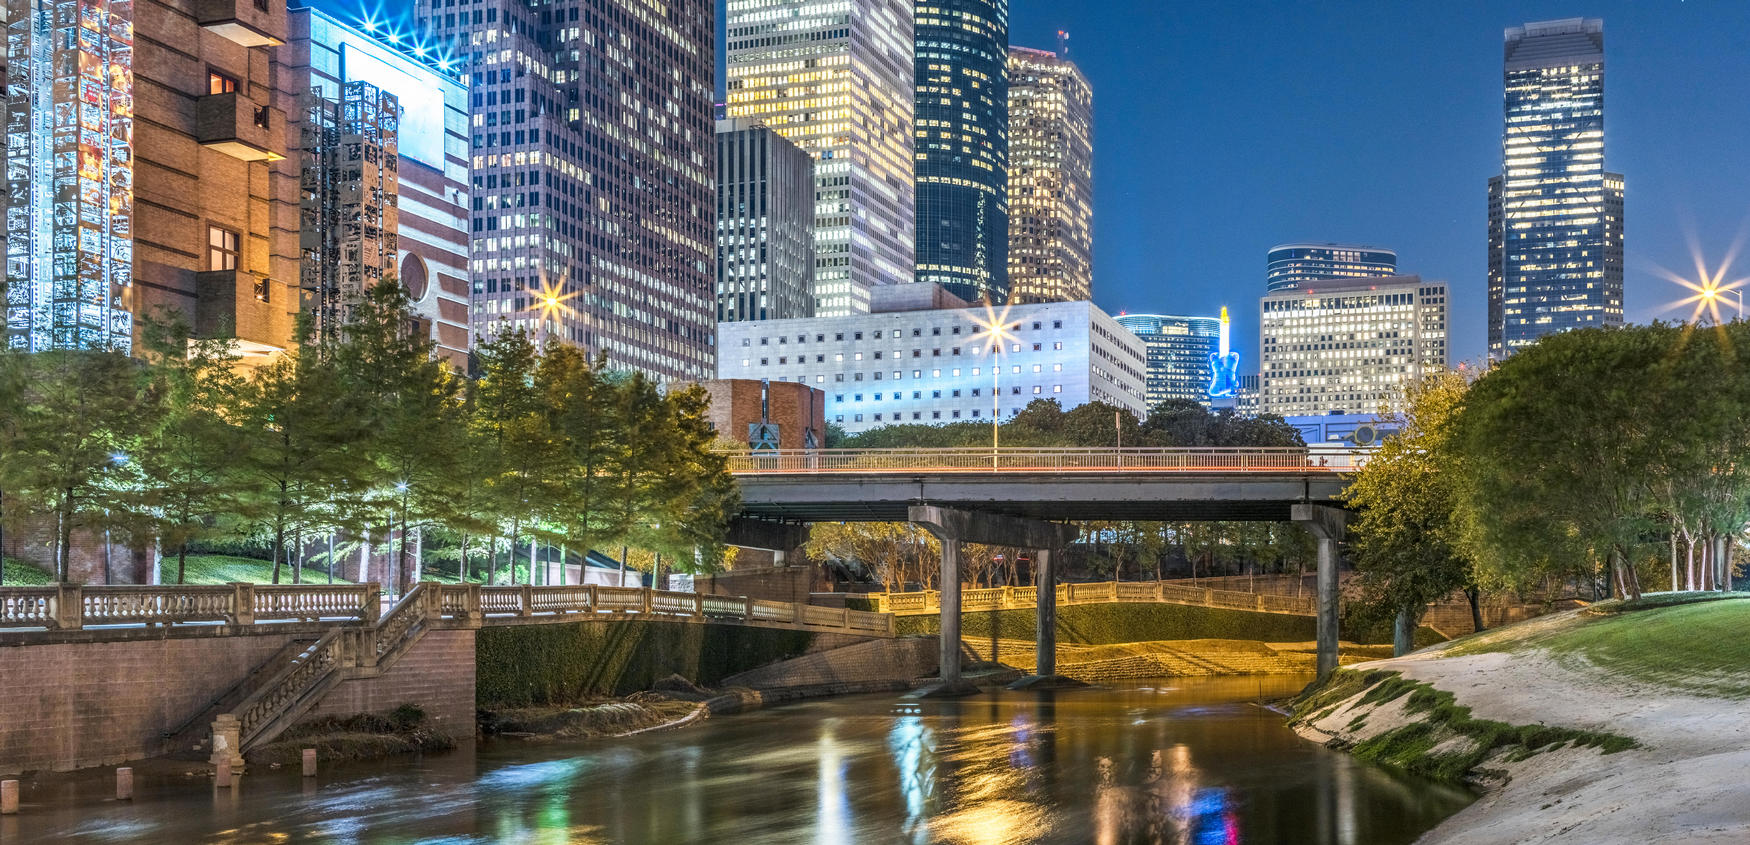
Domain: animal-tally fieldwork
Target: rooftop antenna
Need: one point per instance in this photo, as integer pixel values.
(1062, 44)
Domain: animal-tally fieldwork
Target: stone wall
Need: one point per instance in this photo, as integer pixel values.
(436, 674)
(71, 703)
(847, 668)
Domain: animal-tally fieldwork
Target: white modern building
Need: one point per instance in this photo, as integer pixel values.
(1349, 346)
(935, 366)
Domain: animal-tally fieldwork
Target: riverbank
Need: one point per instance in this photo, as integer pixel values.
(1613, 725)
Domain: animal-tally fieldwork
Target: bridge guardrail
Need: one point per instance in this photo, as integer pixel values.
(1068, 459)
(1007, 598)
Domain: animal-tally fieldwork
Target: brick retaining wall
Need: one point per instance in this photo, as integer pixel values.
(436, 673)
(75, 704)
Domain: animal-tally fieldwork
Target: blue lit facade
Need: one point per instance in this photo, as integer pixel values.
(70, 174)
(1555, 215)
(1292, 266)
(1181, 351)
(962, 150)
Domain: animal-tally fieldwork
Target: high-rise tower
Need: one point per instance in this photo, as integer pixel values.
(765, 225)
(835, 78)
(1291, 266)
(70, 174)
(962, 154)
(1555, 214)
(1051, 179)
(592, 158)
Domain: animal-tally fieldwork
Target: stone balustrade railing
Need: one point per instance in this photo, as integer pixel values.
(73, 606)
(1006, 598)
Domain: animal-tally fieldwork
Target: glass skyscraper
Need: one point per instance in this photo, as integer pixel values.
(1180, 351)
(1555, 215)
(70, 174)
(593, 164)
(1291, 266)
(1051, 179)
(962, 150)
(835, 78)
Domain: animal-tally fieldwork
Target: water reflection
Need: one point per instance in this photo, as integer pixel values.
(1184, 765)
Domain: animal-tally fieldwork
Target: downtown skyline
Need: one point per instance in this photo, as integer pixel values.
(1194, 184)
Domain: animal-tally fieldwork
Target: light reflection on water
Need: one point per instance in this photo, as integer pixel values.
(1194, 764)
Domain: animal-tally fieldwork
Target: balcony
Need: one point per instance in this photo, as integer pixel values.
(251, 23)
(240, 127)
(235, 304)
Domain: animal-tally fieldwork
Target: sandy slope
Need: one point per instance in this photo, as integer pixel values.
(1688, 783)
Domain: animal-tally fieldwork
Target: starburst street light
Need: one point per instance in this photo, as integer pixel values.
(1708, 287)
(550, 299)
(994, 329)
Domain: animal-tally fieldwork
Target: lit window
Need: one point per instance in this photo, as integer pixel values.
(222, 248)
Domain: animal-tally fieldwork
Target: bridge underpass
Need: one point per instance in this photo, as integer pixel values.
(1023, 498)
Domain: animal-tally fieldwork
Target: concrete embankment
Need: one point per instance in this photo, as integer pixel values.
(1582, 727)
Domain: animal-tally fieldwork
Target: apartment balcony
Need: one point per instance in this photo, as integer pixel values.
(240, 127)
(251, 23)
(236, 304)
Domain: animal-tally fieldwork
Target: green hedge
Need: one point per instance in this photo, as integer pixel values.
(1105, 624)
(537, 665)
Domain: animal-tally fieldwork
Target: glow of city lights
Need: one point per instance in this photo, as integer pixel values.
(1708, 287)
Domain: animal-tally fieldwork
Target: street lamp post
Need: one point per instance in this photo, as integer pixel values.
(1713, 294)
(994, 328)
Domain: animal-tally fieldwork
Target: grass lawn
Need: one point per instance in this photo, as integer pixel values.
(1696, 646)
(22, 574)
(223, 569)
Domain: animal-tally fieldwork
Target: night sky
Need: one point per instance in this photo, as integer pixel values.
(1223, 128)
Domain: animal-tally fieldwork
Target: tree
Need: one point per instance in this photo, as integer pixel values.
(184, 460)
(305, 461)
(413, 408)
(512, 430)
(80, 415)
(1558, 465)
(1404, 540)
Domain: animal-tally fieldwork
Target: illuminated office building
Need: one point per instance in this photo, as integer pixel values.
(963, 147)
(1180, 352)
(1349, 346)
(382, 150)
(765, 225)
(70, 175)
(1555, 214)
(835, 78)
(1051, 179)
(1290, 266)
(592, 164)
(933, 366)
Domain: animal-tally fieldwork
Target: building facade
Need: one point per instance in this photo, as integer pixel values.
(962, 149)
(765, 225)
(1555, 215)
(144, 173)
(70, 175)
(836, 79)
(592, 165)
(1291, 266)
(1051, 179)
(936, 366)
(1350, 346)
(1180, 352)
(382, 150)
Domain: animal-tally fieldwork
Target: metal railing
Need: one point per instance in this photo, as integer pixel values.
(1079, 459)
(1006, 598)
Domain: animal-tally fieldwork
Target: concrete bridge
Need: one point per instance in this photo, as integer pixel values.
(1017, 497)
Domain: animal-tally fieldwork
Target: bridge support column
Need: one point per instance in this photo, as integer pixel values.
(1046, 539)
(1327, 525)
